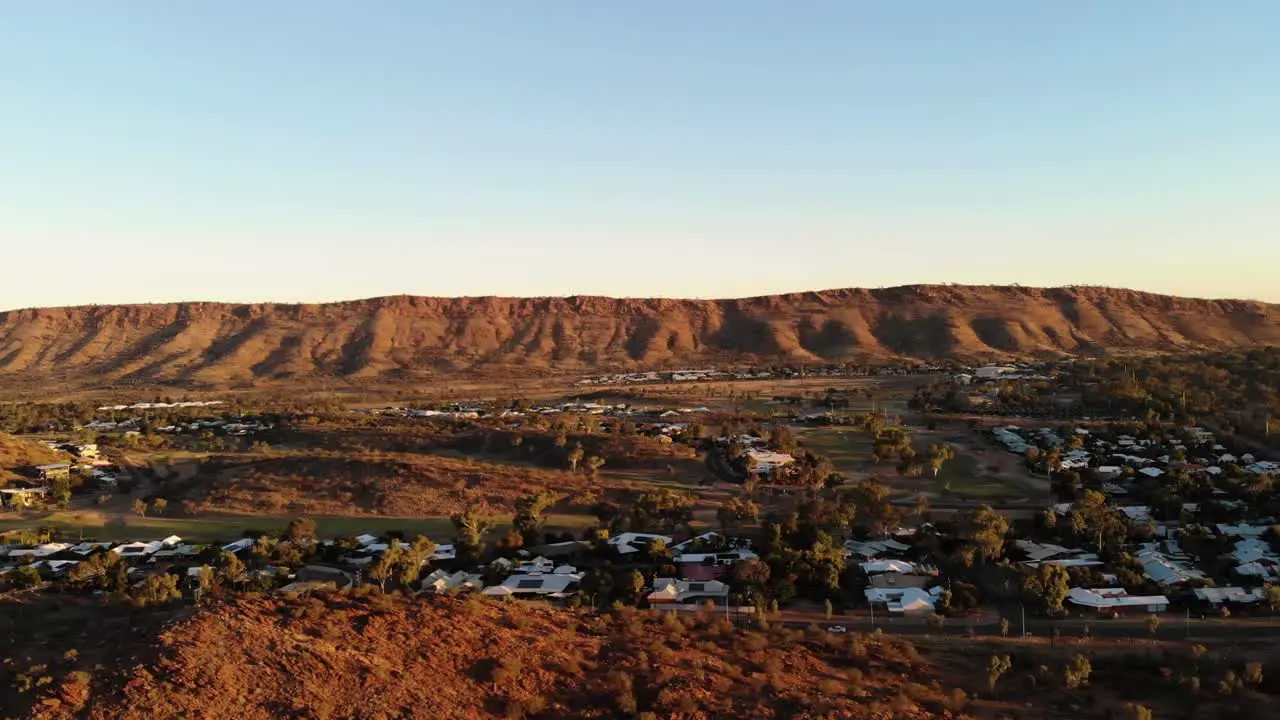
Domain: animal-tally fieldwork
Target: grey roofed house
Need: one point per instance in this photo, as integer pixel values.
(674, 590)
(560, 549)
(548, 585)
(440, 581)
(44, 550)
(87, 548)
(241, 544)
(1217, 596)
(903, 600)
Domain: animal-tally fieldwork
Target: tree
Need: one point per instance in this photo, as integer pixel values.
(750, 572)
(575, 457)
(471, 529)
(1075, 674)
(384, 567)
(140, 507)
(205, 579)
(1253, 673)
(734, 512)
(633, 585)
(528, 518)
(301, 531)
(594, 463)
(413, 559)
(60, 488)
(997, 666)
(985, 531)
(1050, 583)
(1004, 627)
(157, 590)
(159, 505)
(26, 577)
(1153, 625)
(939, 454)
(826, 608)
(1133, 711)
(231, 569)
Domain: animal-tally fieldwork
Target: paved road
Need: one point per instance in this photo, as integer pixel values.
(1171, 626)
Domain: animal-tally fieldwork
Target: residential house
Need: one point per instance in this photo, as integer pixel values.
(54, 471)
(674, 590)
(903, 601)
(1112, 601)
(633, 542)
(536, 585)
(40, 551)
(22, 497)
(767, 462)
(440, 582)
(1217, 597)
(144, 549)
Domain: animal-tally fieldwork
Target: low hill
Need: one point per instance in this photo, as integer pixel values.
(366, 655)
(398, 338)
(18, 454)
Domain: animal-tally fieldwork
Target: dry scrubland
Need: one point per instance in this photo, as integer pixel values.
(366, 655)
(396, 485)
(407, 338)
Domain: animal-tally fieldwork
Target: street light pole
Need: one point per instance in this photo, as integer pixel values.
(1024, 618)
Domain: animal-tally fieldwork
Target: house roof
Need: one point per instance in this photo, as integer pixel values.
(884, 566)
(535, 584)
(40, 550)
(1230, 594)
(633, 542)
(726, 556)
(676, 590)
(1242, 530)
(1112, 597)
(901, 600)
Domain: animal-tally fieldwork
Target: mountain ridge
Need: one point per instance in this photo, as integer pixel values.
(401, 337)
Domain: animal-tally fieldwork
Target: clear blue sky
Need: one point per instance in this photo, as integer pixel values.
(155, 151)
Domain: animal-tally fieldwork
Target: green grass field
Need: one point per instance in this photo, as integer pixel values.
(850, 450)
(847, 448)
(968, 481)
(92, 525)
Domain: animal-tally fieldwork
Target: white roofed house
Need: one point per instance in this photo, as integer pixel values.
(1113, 601)
(634, 542)
(674, 590)
(144, 549)
(767, 462)
(907, 600)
